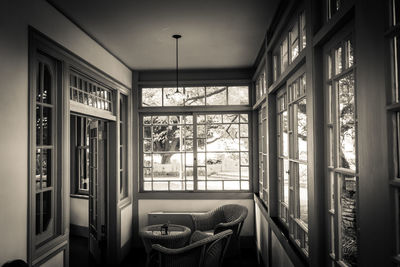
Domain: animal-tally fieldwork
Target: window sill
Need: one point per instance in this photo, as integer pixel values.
(195, 195)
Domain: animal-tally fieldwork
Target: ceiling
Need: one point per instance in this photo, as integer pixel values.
(216, 34)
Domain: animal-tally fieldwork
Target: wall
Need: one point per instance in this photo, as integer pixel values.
(126, 224)
(79, 211)
(149, 205)
(15, 17)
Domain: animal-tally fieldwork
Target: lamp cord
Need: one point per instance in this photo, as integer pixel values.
(177, 65)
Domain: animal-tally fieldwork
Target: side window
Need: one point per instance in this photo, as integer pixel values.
(292, 159)
(341, 168)
(44, 182)
(394, 115)
(123, 147)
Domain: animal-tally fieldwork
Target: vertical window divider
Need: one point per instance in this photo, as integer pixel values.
(195, 157)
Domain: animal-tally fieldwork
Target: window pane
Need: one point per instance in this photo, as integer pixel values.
(147, 132)
(46, 168)
(47, 210)
(216, 95)
(38, 214)
(244, 130)
(294, 40)
(167, 138)
(47, 126)
(231, 185)
(347, 129)
(238, 95)
(38, 168)
(147, 120)
(38, 82)
(223, 166)
(214, 185)
(160, 186)
(147, 174)
(244, 144)
(147, 146)
(349, 54)
(244, 118)
(244, 172)
(303, 193)
(303, 30)
(167, 166)
(173, 96)
(286, 181)
(47, 83)
(230, 118)
(195, 96)
(285, 129)
(152, 97)
(284, 55)
(338, 60)
(38, 125)
(302, 130)
(201, 159)
(223, 137)
(348, 220)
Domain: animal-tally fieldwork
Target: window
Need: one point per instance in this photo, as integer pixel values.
(284, 55)
(289, 49)
(123, 132)
(303, 33)
(261, 86)
(394, 115)
(90, 93)
(195, 96)
(292, 160)
(262, 154)
(195, 152)
(342, 179)
(46, 186)
(275, 67)
(80, 154)
(294, 42)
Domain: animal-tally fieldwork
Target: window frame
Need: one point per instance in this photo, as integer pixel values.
(186, 84)
(53, 229)
(333, 184)
(277, 66)
(289, 213)
(191, 110)
(195, 180)
(392, 38)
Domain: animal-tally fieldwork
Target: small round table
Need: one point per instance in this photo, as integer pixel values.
(177, 237)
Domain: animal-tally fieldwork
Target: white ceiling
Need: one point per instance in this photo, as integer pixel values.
(215, 33)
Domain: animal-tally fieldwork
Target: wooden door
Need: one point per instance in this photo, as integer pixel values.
(97, 190)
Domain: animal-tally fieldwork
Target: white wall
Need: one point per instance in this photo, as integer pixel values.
(126, 224)
(15, 16)
(150, 205)
(79, 214)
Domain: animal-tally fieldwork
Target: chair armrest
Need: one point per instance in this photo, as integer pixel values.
(204, 221)
(197, 236)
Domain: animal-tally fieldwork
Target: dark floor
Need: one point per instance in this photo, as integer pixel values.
(79, 256)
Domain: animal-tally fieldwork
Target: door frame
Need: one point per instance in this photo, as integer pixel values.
(38, 42)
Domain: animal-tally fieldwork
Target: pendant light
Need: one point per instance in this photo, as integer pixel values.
(177, 96)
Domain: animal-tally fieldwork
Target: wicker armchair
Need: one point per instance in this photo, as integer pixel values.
(229, 216)
(203, 251)
(169, 241)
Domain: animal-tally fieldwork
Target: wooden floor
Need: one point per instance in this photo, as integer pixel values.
(79, 256)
